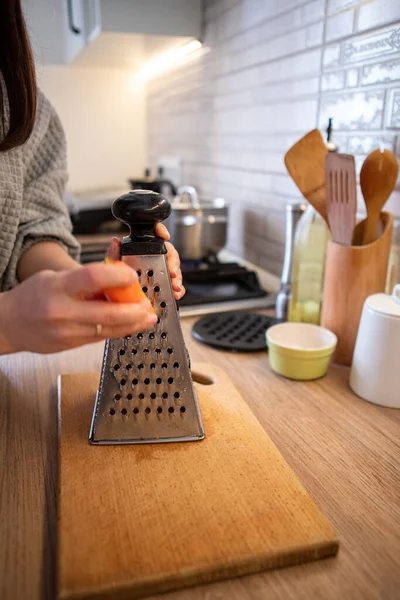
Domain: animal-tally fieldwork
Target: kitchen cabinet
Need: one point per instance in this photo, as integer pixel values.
(61, 29)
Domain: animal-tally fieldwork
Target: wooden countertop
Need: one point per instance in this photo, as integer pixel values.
(345, 451)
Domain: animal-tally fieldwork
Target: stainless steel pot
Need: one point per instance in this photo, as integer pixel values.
(198, 228)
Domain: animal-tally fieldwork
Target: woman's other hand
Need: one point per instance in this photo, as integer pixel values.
(174, 263)
(54, 311)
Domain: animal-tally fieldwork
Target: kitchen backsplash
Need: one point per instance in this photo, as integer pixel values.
(273, 71)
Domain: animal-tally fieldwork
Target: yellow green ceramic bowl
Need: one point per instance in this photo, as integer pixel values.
(300, 350)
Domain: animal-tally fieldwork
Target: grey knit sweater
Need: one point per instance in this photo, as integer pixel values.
(32, 182)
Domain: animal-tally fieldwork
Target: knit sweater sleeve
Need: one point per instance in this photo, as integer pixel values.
(44, 214)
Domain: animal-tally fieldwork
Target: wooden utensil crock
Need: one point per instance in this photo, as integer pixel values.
(352, 273)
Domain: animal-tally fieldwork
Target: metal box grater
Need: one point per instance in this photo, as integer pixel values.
(146, 394)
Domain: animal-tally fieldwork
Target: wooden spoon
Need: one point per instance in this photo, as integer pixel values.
(305, 162)
(378, 178)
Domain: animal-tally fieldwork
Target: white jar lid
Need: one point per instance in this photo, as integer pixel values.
(385, 304)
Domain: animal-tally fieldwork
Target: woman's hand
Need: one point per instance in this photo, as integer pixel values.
(54, 311)
(174, 262)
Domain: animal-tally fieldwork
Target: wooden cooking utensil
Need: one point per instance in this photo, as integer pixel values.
(305, 162)
(377, 179)
(341, 196)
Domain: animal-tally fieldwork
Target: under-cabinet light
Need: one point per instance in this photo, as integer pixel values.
(167, 60)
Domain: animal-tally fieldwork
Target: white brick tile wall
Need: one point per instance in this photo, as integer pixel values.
(340, 25)
(232, 113)
(378, 12)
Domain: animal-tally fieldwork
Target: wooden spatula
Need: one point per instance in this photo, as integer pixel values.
(378, 178)
(305, 162)
(341, 196)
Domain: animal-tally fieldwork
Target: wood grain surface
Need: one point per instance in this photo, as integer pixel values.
(344, 450)
(135, 520)
(352, 273)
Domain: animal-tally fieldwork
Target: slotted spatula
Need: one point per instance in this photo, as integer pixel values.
(305, 162)
(378, 178)
(341, 196)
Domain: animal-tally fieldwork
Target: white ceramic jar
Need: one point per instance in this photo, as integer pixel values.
(375, 372)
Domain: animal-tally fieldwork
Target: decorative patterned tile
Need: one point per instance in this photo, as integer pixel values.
(352, 78)
(356, 111)
(371, 46)
(384, 72)
(364, 144)
(332, 81)
(394, 113)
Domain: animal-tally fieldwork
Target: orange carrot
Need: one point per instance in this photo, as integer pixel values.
(127, 293)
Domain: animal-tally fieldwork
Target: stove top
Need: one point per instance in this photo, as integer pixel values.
(221, 285)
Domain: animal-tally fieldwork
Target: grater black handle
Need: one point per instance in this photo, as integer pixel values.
(141, 210)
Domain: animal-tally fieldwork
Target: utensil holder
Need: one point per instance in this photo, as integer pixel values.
(352, 273)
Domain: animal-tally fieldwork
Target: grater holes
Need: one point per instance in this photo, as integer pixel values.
(135, 410)
(156, 289)
(153, 395)
(182, 409)
(176, 365)
(116, 367)
(134, 351)
(135, 381)
(150, 273)
(152, 365)
(145, 289)
(165, 395)
(147, 410)
(158, 320)
(170, 380)
(177, 395)
(163, 335)
(128, 367)
(123, 382)
(152, 336)
(147, 381)
(139, 336)
(128, 337)
(170, 350)
(158, 350)
(112, 412)
(159, 409)
(158, 380)
(164, 366)
(122, 352)
(141, 396)
(117, 397)
(124, 411)
(140, 366)
(129, 397)
(171, 410)
(139, 273)
(146, 350)
(163, 304)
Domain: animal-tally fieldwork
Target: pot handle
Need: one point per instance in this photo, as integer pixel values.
(188, 190)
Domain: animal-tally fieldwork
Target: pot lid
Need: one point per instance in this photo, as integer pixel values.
(385, 304)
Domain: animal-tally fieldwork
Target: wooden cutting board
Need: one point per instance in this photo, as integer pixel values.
(138, 520)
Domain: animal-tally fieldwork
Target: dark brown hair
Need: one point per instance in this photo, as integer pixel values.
(17, 77)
